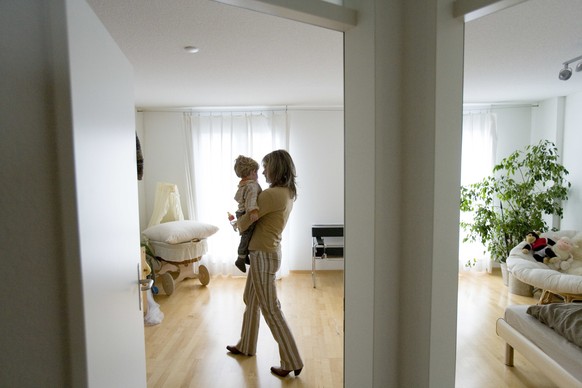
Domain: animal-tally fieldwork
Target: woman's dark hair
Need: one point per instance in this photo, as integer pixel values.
(281, 170)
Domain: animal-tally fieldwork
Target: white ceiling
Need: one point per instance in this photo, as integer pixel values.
(247, 58)
(516, 54)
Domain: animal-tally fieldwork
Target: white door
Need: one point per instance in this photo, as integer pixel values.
(107, 202)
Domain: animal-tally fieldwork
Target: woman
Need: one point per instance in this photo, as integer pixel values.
(260, 295)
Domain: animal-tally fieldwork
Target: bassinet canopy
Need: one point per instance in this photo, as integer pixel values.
(167, 205)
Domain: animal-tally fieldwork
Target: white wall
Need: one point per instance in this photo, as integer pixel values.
(547, 121)
(548, 124)
(163, 151)
(573, 161)
(35, 341)
(513, 130)
(316, 145)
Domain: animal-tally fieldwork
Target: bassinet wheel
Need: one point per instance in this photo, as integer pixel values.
(167, 283)
(203, 275)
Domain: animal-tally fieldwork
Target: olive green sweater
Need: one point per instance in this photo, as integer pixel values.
(275, 205)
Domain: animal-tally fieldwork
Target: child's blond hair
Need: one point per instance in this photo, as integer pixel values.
(244, 166)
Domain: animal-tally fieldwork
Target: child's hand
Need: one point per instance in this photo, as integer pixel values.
(232, 221)
(254, 215)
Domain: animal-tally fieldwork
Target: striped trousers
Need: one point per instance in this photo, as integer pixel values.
(260, 296)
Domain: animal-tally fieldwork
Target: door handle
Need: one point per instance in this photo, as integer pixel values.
(146, 284)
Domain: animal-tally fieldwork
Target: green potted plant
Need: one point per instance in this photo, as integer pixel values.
(523, 188)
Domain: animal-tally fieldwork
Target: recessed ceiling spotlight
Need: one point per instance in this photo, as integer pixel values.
(191, 49)
(579, 66)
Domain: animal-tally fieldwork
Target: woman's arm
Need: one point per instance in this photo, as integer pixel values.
(267, 202)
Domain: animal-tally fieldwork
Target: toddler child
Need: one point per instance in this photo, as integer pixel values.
(246, 197)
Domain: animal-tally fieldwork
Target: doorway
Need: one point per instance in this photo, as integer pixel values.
(316, 139)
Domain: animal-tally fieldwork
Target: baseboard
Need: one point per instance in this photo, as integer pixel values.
(303, 271)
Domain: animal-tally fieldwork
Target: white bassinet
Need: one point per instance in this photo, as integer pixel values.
(182, 259)
(178, 244)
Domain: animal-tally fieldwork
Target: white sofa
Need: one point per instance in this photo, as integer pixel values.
(565, 284)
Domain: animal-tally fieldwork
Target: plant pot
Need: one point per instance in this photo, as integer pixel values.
(517, 287)
(504, 273)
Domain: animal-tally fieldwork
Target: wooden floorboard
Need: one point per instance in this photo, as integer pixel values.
(188, 348)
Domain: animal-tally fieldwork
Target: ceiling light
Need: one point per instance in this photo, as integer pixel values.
(191, 49)
(566, 72)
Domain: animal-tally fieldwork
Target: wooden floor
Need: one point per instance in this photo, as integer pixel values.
(188, 348)
(482, 299)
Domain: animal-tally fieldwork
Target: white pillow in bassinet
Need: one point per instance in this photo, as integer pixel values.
(175, 232)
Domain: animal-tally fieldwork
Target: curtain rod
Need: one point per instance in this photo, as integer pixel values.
(243, 108)
(483, 106)
(215, 109)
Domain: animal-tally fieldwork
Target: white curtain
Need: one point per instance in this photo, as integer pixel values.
(478, 158)
(213, 141)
